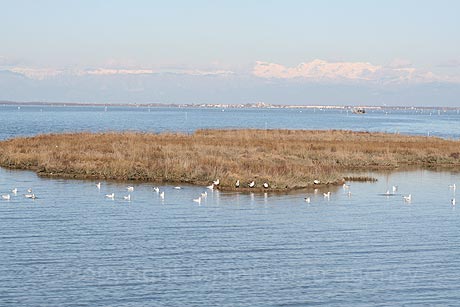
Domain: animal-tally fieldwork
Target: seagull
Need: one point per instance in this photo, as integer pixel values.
(130, 189)
(30, 196)
(237, 184)
(265, 185)
(387, 193)
(316, 181)
(204, 194)
(453, 201)
(98, 185)
(111, 196)
(15, 191)
(307, 199)
(156, 189)
(197, 200)
(394, 188)
(452, 186)
(252, 184)
(127, 197)
(211, 187)
(407, 198)
(349, 194)
(346, 186)
(6, 196)
(216, 182)
(162, 195)
(327, 195)
(177, 188)
(29, 190)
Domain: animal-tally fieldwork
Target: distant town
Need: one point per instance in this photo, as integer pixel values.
(255, 105)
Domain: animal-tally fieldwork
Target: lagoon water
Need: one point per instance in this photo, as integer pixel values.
(31, 120)
(73, 247)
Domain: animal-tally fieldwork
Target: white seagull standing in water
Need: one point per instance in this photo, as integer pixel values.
(204, 194)
(162, 195)
(14, 191)
(197, 200)
(252, 184)
(452, 186)
(407, 198)
(130, 189)
(32, 196)
(127, 197)
(156, 189)
(265, 185)
(6, 196)
(307, 199)
(394, 188)
(111, 196)
(452, 201)
(327, 195)
(98, 185)
(216, 182)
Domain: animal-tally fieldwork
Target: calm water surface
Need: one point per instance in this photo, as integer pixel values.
(73, 247)
(31, 120)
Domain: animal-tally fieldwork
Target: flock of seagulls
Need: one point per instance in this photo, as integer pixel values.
(327, 195)
(394, 189)
(130, 189)
(251, 184)
(14, 192)
(215, 184)
(112, 195)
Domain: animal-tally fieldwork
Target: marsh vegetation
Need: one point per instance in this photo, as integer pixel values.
(286, 159)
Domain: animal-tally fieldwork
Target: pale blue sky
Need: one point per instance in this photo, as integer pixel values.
(229, 35)
(196, 33)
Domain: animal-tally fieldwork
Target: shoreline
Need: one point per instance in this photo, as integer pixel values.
(285, 159)
(248, 106)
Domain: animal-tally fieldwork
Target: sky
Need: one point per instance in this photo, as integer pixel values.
(283, 52)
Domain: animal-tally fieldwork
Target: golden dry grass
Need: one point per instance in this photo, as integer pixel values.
(284, 158)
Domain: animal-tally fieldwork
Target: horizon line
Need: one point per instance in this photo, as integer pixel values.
(249, 105)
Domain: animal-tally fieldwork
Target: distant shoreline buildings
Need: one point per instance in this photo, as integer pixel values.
(256, 105)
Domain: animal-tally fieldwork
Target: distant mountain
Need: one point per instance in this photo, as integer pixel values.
(169, 87)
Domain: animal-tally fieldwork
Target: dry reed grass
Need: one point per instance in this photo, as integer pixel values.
(287, 159)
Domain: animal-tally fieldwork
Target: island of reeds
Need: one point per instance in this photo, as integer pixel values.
(286, 159)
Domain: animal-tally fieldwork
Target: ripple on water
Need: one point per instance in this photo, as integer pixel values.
(71, 246)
